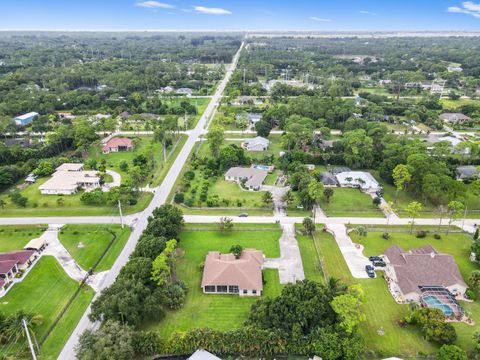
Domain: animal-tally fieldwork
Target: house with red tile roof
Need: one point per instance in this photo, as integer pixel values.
(117, 144)
(225, 274)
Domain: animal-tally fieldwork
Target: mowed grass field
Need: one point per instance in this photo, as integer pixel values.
(220, 312)
(15, 237)
(380, 308)
(94, 240)
(350, 202)
(45, 291)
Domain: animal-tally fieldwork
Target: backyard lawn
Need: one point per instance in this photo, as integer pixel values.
(380, 308)
(93, 240)
(15, 237)
(350, 202)
(220, 312)
(45, 291)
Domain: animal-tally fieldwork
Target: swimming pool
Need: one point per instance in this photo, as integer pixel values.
(262, 167)
(432, 301)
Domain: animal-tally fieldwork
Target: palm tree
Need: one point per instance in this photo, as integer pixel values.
(12, 327)
(334, 287)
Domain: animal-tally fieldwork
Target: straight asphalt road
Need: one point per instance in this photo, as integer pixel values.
(160, 197)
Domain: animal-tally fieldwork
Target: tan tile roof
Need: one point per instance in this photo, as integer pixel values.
(117, 142)
(224, 269)
(423, 266)
(70, 167)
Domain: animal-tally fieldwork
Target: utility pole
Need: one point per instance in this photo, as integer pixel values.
(120, 210)
(244, 76)
(30, 344)
(464, 216)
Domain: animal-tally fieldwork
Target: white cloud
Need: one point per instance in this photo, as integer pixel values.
(365, 12)
(154, 5)
(468, 7)
(212, 11)
(316, 18)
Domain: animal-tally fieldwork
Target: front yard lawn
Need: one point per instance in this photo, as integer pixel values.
(45, 291)
(94, 240)
(15, 237)
(220, 312)
(66, 205)
(350, 202)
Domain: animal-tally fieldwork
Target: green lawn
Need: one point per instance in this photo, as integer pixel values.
(233, 192)
(45, 291)
(162, 169)
(456, 244)
(15, 237)
(232, 212)
(350, 202)
(380, 308)
(216, 311)
(47, 205)
(95, 239)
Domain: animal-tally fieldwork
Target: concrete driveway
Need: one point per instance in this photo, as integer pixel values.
(352, 254)
(117, 180)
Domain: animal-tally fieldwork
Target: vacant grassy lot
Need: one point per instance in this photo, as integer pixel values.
(350, 202)
(45, 291)
(217, 311)
(67, 205)
(94, 239)
(15, 237)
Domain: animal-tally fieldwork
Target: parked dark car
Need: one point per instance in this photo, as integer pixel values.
(379, 263)
(375, 258)
(370, 271)
(243, 215)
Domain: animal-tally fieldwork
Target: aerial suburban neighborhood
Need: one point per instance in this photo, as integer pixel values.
(309, 192)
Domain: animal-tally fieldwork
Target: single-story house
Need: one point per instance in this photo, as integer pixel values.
(225, 274)
(201, 354)
(310, 167)
(253, 118)
(25, 119)
(23, 143)
(185, 91)
(68, 178)
(37, 244)
(339, 169)
(408, 271)
(165, 89)
(327, 144)
(252, 176)
(117, 144)
(454, 118)
(467, 172)
(358, 179)
(328, 179)
(256, 144)
(433, 139)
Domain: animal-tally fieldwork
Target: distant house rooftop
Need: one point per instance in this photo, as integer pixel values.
(203, 355)
(467, 172)
(361, 179)
(256, 144)
(70, 167)
(454, 118)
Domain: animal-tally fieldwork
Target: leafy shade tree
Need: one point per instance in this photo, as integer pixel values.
(358, 149)
(263, 128)
(308, 225)
(167, 221)
(455, 209)
(225, 224)
(236, 250)
(112, 341)
(288, 197)
(451, 352)
(315, 191)
(401, 177)
(163, 264)
(349, 307)
(412, 210)
(215, 138)
(267, 198)
(433, 326)
(328, 194)
(474, 279)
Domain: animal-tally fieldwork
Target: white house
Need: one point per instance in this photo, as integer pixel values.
(256, 144)
(25, 119)
(358, 179)
(68, 178)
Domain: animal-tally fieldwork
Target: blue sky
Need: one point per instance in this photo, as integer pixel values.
(240, 14)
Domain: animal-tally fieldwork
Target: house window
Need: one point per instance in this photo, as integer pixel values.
(233, 289)
(245, 291)
(222, 288)
(254, 292)
(210, 289)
